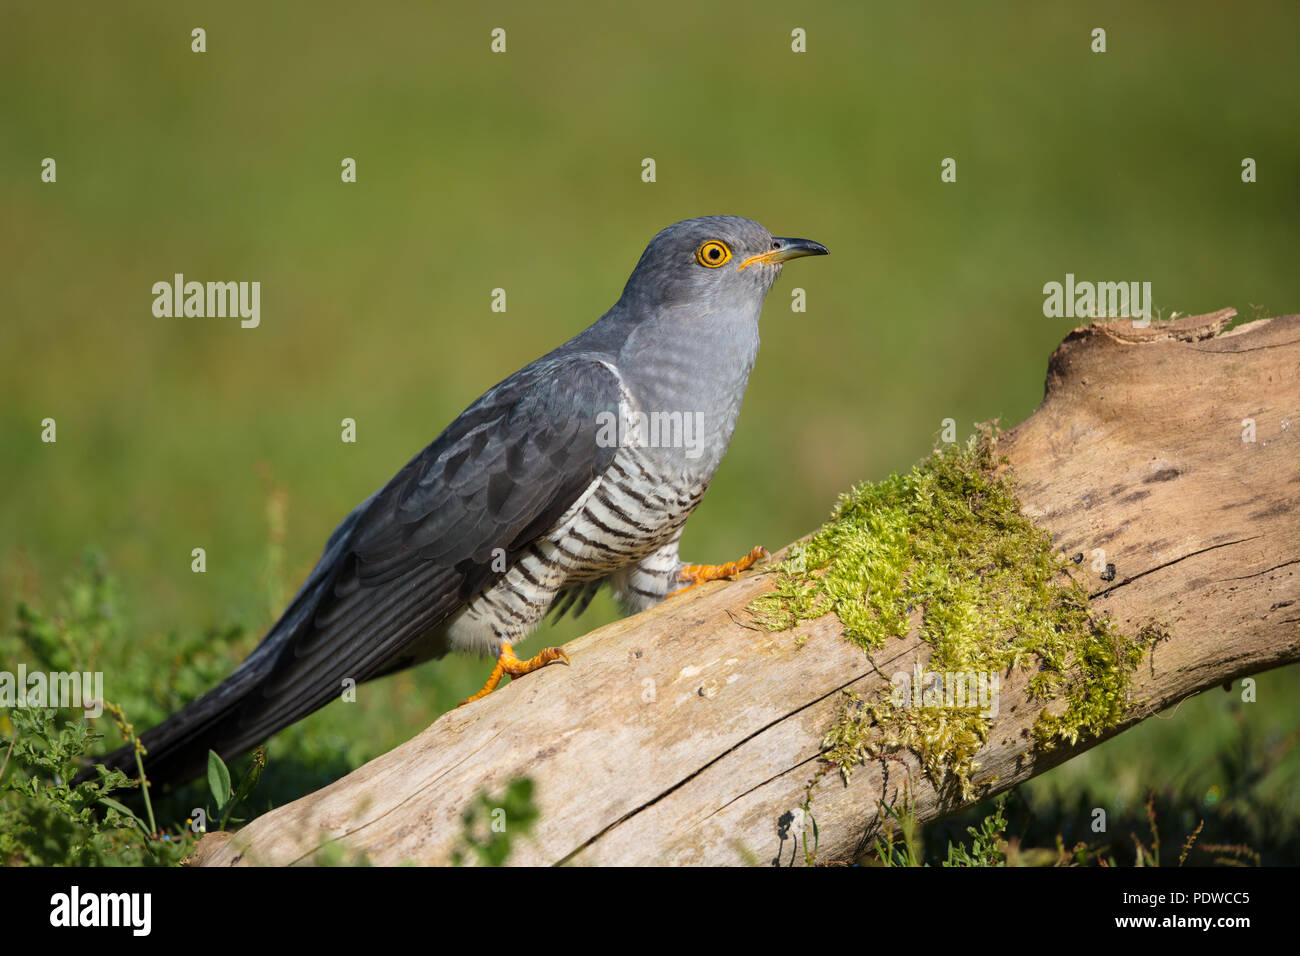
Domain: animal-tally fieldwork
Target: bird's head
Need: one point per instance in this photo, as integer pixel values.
(711, 264)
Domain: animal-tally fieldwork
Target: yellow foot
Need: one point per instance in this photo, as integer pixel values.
(699, 573)
(507, 663)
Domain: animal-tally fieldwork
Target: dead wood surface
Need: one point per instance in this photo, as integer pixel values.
(685, 735)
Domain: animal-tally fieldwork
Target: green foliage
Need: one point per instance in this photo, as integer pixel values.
(810, 825)
(218, 781)
(1015, 829)
(945, 548)
(899, 841)
(45, 821)
(988, 846)
(490, 826)
(225, 797)
(85, 630)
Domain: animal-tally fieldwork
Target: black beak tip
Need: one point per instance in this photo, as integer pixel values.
(800, 247)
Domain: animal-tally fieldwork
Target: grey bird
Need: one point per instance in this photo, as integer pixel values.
(578, 470)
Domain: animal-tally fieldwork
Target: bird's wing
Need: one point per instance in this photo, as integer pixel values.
(503, 473)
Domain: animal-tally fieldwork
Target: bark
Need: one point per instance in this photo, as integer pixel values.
(687, 735)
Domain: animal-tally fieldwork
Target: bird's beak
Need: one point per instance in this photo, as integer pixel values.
(783, 249)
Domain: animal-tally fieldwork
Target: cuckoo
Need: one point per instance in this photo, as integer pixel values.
(577, 471)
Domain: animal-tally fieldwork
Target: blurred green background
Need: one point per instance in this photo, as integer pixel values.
(522, 171)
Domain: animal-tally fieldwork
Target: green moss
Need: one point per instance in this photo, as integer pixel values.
(944, 550)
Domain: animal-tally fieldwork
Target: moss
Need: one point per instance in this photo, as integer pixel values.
(944, 550)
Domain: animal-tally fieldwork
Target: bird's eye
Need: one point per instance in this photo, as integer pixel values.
(712, 254)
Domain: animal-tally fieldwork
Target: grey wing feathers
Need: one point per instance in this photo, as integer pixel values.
(503, 473)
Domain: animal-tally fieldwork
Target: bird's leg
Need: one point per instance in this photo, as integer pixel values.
(507, 663)
(699, 573)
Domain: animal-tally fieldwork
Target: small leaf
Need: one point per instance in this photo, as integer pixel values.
(218, 780)
(125, 811)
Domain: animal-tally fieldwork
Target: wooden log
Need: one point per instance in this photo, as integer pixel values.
(687, 735)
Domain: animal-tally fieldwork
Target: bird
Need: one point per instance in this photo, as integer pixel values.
(577, 471)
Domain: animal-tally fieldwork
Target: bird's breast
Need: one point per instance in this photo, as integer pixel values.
(625, 514)
(688, 396)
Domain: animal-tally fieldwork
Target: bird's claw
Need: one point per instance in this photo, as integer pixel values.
(510, 665)
(699, 573)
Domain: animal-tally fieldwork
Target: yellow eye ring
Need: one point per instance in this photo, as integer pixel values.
(713, 254)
